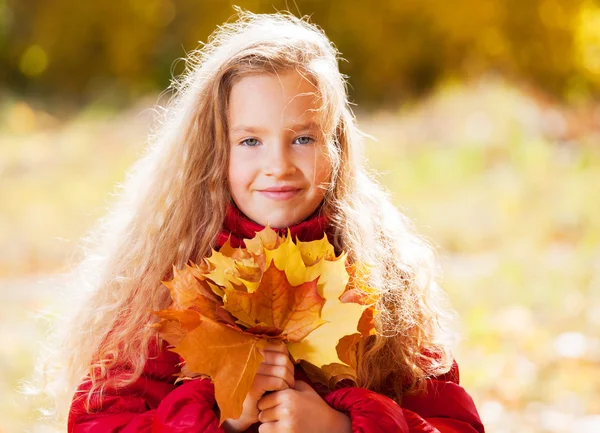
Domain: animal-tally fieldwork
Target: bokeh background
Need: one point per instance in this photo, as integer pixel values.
(487, 123)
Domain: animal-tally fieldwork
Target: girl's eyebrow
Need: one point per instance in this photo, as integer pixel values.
(243, 128)
(310, 125)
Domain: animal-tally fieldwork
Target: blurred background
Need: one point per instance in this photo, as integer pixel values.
(487, 123)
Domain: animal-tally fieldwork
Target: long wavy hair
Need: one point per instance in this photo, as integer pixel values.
(172, 205)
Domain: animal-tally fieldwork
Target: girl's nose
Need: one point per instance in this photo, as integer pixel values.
(279, 161)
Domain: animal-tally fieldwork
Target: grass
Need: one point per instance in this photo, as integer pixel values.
(510, 204)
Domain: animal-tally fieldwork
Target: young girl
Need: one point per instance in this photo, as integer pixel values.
(260, 132)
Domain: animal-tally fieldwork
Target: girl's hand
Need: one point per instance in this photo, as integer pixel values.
(300, 410)
(275, 373)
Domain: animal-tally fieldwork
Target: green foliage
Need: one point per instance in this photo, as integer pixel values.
(117, 50)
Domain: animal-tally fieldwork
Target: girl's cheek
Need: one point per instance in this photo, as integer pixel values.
(325, 169)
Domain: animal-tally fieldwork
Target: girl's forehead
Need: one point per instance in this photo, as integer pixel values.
(283, 87)
(289, 99)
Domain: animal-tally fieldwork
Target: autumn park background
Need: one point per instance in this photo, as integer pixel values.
(487, 123)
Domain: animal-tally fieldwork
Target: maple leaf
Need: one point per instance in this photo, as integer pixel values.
(267, 238)
(320, 263)
(250, 275)
(237, 299)
(277, 304)
(358, 290)
(176, 323)
(206, 347)
(187, 284)
(313, 251)
(366, 324)
(318, 347)
(192, 299)
(330, 374)
(308, 261)
(187, 319)
(287, 258)
(346, 349)
(231, 268)
(223, 271)
(338, 372)
(236, 253)
(170, 331)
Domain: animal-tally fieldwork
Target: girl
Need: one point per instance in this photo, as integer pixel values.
(260, 132)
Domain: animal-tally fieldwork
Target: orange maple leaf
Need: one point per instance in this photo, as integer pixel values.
(187, 284)
(204, 350)
(277, 304)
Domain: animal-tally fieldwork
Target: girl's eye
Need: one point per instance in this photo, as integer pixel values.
(304, 140)
(250, 142)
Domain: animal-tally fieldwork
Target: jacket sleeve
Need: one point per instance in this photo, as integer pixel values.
(445, 407)
(153, 403)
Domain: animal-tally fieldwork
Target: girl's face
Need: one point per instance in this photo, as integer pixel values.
(278, 166)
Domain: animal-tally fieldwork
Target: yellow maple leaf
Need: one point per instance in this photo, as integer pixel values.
(318, 347)
(313, 251)
(267, 238)
(223, 272)
(321, 263)
(287, 258)
(236, 271)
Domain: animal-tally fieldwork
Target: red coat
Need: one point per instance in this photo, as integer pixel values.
(155, 404)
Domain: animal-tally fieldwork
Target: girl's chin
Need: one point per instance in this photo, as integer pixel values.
(279, 223)
(280, 214)
(281, 220)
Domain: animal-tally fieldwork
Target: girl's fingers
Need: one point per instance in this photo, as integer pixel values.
(270, 415)
(275, 347)
(268, 427)
(271, 400)
(277, 358)
(279, 371)
(264, 383)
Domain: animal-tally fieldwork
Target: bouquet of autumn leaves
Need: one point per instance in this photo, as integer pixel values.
(231, 304)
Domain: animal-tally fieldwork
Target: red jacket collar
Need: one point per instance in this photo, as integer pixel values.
(240, 227)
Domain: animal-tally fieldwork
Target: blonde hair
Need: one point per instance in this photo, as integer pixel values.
(172, 206)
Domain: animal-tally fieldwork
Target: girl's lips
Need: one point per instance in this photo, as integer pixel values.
(280, 195)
